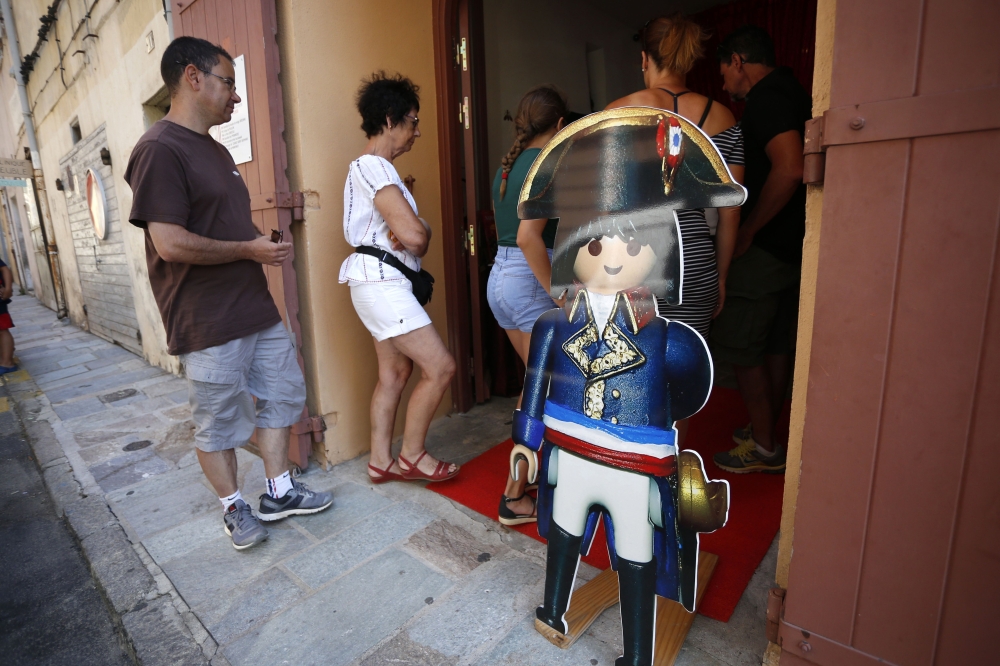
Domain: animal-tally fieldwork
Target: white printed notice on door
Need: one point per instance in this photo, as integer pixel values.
(235, 135)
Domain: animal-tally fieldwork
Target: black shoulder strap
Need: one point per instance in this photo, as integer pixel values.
(704, 116)
(387, 258)
(674, 95)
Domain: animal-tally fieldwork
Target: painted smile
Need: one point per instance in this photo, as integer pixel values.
(613, 271)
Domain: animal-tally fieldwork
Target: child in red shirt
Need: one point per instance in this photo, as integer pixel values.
(6, 339)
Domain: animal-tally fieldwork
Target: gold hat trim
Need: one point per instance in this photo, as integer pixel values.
(622, 117)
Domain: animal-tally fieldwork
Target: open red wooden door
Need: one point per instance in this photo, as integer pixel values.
(247, 28)
(897, 527)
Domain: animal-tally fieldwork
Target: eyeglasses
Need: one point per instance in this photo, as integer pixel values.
(230, 83)
(277, 236)
(416, 121)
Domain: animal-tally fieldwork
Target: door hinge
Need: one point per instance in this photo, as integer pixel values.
(814, 153)
(775, 611)
(268, 200)
(465, 112)
(462, 51)
(316, 425)
(470, 236)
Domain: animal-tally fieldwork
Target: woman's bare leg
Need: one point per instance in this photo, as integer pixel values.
(394, 369)
(437, 367)
(520, 340)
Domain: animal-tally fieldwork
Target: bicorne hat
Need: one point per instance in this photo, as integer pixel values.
(626, 170)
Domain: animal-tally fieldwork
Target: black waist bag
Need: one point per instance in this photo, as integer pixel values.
(422, 281)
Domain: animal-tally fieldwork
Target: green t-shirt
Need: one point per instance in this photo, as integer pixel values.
(505, 211)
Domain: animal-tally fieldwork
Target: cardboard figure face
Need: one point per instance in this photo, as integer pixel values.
(608, 265)
(644, 247)
(622, 174)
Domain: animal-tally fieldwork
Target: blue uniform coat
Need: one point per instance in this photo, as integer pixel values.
(633, 382)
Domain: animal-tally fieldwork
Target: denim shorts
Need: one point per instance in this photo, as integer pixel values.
(224, 380)
(515, 296)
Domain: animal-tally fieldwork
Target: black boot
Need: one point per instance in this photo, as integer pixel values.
(637, 590)
(560, 569)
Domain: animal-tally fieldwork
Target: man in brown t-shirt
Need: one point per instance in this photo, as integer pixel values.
(204, 257)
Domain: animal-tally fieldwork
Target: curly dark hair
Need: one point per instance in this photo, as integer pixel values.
(383, 95)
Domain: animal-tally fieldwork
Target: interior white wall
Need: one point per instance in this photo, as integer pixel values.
(530, 42)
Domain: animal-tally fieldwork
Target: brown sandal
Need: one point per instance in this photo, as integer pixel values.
(412, 473)
(384, 474)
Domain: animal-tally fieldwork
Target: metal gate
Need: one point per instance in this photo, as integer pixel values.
(247, 28)
(897, 527)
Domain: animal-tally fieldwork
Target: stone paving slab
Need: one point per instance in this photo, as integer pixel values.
(354, 502)
(482, 609)
(216, 568)
(357, 611)
(358, 542)
(391, 573)
(250, 604)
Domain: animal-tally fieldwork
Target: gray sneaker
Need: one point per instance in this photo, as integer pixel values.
(243, 526)
(298, 501)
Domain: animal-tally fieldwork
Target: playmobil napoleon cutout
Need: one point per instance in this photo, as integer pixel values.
(607, 378)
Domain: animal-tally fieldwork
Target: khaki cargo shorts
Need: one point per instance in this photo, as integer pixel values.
(761, 310)
(224, 380)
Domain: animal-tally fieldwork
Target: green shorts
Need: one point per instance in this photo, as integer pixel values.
(761, 310)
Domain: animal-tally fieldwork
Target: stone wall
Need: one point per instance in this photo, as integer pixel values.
(105, 282)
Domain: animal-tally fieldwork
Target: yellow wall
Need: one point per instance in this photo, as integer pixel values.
(825, 20)
(107, 83)
(326, 48)
(825, 23)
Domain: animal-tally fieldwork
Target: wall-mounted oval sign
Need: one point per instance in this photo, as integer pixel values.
(97, 204)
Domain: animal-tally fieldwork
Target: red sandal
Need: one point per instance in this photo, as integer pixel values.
(412, 473)
(384, 474)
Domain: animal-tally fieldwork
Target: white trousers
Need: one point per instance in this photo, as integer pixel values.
(632, 500)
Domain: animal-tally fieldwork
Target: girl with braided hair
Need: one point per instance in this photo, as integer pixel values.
(519, 283)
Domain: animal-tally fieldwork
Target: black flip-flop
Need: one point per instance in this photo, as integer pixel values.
(508, 517)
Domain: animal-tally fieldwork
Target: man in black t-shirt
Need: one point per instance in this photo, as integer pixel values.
(755, 329)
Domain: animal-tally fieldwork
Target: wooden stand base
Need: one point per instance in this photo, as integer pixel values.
(601, 593)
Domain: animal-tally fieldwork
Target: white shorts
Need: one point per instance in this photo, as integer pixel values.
(388, 309)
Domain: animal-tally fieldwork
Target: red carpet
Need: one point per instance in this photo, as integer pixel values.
(754, 514)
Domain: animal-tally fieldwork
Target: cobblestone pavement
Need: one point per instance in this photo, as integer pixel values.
(390, 574)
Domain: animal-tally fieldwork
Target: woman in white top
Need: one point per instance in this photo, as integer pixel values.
(380, 212)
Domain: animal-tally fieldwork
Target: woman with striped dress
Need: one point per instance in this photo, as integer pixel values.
(670, 47)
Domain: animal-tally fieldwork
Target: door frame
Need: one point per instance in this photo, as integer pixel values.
(456, 260)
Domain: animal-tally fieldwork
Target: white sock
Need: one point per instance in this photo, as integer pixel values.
(231, 500)
(764, 452)
(277, 487)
